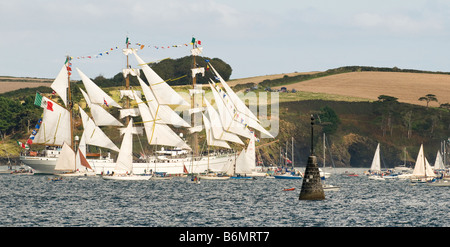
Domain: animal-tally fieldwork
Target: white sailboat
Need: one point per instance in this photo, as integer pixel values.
(439, 162)
(375, 168)
(422, 172)
(326, 186)
(70, 164)
(124, 164)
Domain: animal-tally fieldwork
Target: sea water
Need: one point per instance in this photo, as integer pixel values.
(35, 201)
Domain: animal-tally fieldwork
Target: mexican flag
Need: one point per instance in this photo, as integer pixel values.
(23, 145)
(43, 102)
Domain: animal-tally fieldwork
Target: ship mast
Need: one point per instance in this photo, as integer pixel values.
(69, 100)
(194, 136)
(127, 84)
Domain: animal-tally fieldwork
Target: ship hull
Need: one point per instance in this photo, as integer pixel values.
(173, 166)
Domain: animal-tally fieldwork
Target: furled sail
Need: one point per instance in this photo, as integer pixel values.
(94, 135)
(61, 83)
(162, 91)
(132, 112)
(55, 127)
(96, 94)
(129, 93)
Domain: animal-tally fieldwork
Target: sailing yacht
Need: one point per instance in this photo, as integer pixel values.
(124, 164)
(375, 168)
(422, 172)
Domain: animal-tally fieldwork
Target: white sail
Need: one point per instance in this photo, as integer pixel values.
(61, 83)
(376, 164)
(99, 114)
(158, 133)
(217, 128)
(55, 127)
(82, 149)
(210, 140)
(163, 92)
(439, 163)
(94, 135)
(164, 112)
(66, 159)
(241, 108)
(250, 153)
(234, 98)
(242, 164)
(124, 163)
(422, 168)
(227, 116)
(96, 94)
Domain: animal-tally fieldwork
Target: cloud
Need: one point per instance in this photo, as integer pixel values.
(398, 23)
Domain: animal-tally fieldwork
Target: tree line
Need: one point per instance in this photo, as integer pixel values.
(174, 72)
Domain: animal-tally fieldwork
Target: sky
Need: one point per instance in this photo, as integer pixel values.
(255, 37)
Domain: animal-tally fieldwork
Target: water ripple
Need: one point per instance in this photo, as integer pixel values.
(36, 201)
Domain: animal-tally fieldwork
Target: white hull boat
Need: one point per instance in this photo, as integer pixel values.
(329, 187)
(127, 177)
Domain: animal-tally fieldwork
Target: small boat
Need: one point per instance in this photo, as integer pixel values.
(290, 189)
(56, 179)
(214, 176)
(329, 187)
(422, 173)
(160, 176)
(124, 162)
(375, 168)
(376, 177)
(242, 177)
(127, 177)
(22, 171)
(194, 180)
(440, 183)
(288, 176)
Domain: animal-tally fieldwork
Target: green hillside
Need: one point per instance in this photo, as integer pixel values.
(353, 126)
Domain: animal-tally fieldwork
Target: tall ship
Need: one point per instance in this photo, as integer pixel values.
(230, 121)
